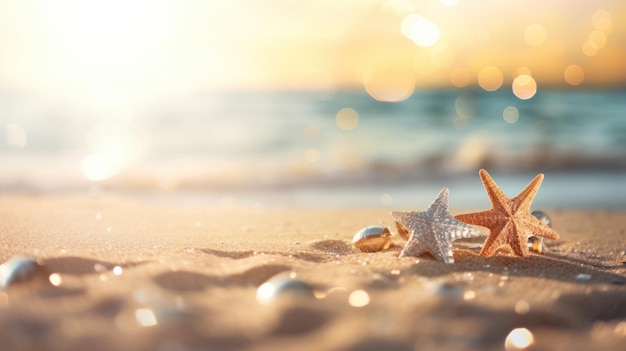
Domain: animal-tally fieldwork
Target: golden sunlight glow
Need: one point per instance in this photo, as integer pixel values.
(399, 6)
(574, 75)
(460, 77)
(423, 64)
(97, 168)
(521, 70)
(423, 32)
(442, 56)
(490, 78)
(589, 49)
(449, 3)
(524, 87)
(597, 39)
(112, 147)
(100, 43)
(602, 21)
(121, 52)
(535, 35)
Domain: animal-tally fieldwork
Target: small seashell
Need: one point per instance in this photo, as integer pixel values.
(282, 285)
(372, 239)
(583, 276)
(535, 243)
(402, 231)
(15, 269)
(542, 216)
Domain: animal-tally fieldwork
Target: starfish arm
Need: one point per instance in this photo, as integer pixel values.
(401, 216)
(498, 198)
(483, 218)
(517, 239)
(443, 252)
(459, 229)
(415, 222)
(439, 206)
(414, 246)
(524, 199)
(538, 228)
(495, 239)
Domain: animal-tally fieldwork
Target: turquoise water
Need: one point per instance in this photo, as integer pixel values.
(286, 148)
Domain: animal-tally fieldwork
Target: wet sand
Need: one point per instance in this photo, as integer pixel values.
(125, 274)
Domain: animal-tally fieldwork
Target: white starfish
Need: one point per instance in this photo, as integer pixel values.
(433, 229)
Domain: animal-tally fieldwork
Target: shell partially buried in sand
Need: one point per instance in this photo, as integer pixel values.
(372, 239)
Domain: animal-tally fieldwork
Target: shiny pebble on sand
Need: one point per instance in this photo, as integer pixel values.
(283, 285)
(535, 243)
(15, 269)
(372, 239)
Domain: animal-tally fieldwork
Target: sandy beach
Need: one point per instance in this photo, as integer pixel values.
(121, 273)
(190, 175)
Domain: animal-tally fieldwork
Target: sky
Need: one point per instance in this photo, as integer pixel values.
(108, 49)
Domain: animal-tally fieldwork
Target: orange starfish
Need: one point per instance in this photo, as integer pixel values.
(509, 220)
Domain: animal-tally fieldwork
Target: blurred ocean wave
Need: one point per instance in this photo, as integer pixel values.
(280, 141)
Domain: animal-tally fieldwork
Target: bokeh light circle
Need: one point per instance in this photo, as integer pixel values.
(535, 34)
(465, 105)
(602, 21)
(460, 77)
(311, 155)
(347, 119)
(524, 87)
(510, 114)
(519, 339)
(574, 75)
(421, 31)
(597, 39)
(589, 49)
(390, 85)
(490, 78)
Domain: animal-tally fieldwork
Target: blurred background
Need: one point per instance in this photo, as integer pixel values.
(320, 103)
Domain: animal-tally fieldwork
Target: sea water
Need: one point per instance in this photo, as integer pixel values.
(293, 148)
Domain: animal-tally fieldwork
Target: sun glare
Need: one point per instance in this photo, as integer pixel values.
(112, 148)
(139, 50)
(423, 32)
(100, 44)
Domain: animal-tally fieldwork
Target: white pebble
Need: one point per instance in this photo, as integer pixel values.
(583, 276)
(15, 269)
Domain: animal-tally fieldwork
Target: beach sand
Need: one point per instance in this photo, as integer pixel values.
(122, 273)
